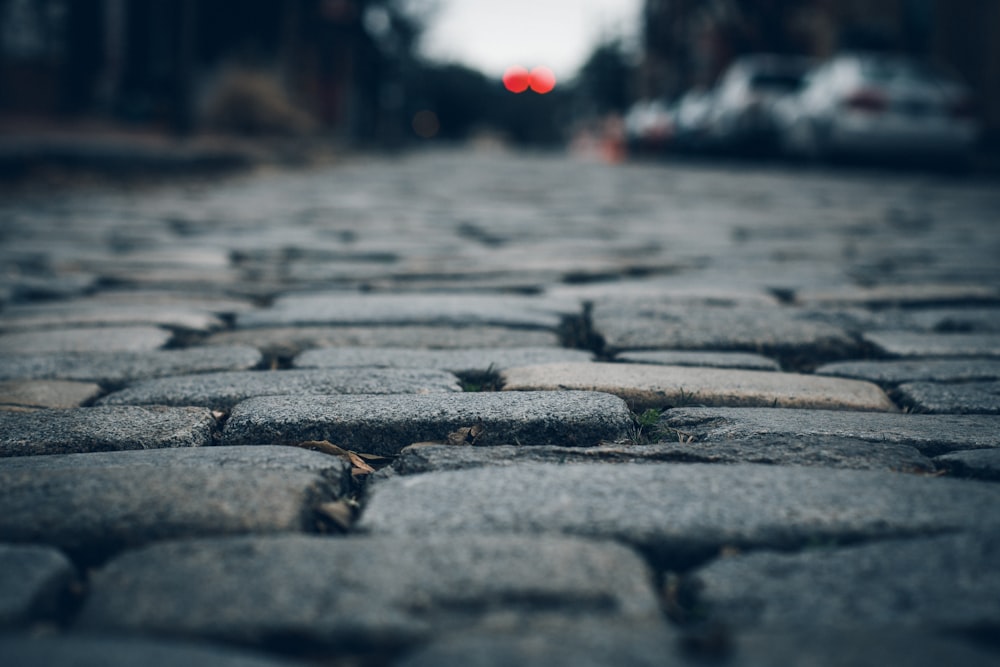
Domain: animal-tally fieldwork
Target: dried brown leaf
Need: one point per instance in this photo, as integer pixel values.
(340, 513)
(466, 436)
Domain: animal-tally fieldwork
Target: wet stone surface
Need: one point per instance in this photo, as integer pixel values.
(380, 304)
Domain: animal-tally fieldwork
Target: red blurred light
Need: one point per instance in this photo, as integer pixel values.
(516, 79)
(542, 80)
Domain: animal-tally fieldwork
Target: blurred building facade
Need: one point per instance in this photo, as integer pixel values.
(688, 43)
(151, 61)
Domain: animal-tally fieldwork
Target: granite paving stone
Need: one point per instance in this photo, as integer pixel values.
(888, 373)
(46, 393)
(105, 651)
(902, 295)
(41, 317)
(394, 310)
(977, 463)
(92, 511)
(836, 647)
(289, 341)
(648, 386)
(573, 643)
(383, 425)
(744, 360)
(115, 369)
(971, 398)
(930, 434)
(358, 591)
(601, 645)
(948, 582)
(108, 428)
(95, 339)
(680, 514)
(824, 451)
(335, 470)
(773, 331)
(222, 391)
(33, 582)
(918, 344)
(460, 362)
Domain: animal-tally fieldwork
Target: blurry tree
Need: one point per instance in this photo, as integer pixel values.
(605, 79)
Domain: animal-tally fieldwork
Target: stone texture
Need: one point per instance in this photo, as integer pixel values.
(115, 369)
(385, 424)
(33, 581)
(949, 582)
(358, 591)
(648, 386)
(222, 391)
(47, 393)
(916, 344)
(41, 317)
(680, 514)
(353, 309)
(836, 647)
(904, 295)
(889, 373)
(744, 360)
(973, 398)
(96, 339)
(931, 434)
(333, 469)
(289, 341)
(648, 325)
(977, 464)
(460, 362)
(93, 510)
(84, 651)
(819, 451)
(108, 428)
(571, 643)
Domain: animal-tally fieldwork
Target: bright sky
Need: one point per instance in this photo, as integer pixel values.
(491, 35)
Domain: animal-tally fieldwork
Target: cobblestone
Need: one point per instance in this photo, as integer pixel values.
(222, 391)
(647, 386)
(104, 429)
(931, 434)
(385, 424)
(556, 526)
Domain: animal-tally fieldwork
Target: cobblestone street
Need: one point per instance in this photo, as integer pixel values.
(461, 409)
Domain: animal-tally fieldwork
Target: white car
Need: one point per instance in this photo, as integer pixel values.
(879, 106)
(743, 104)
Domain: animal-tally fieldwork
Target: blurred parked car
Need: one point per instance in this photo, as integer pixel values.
(692, 120)
(743, 108)
(649, 126)
(878, 106)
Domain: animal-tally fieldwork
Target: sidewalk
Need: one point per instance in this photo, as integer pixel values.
(492, 409)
